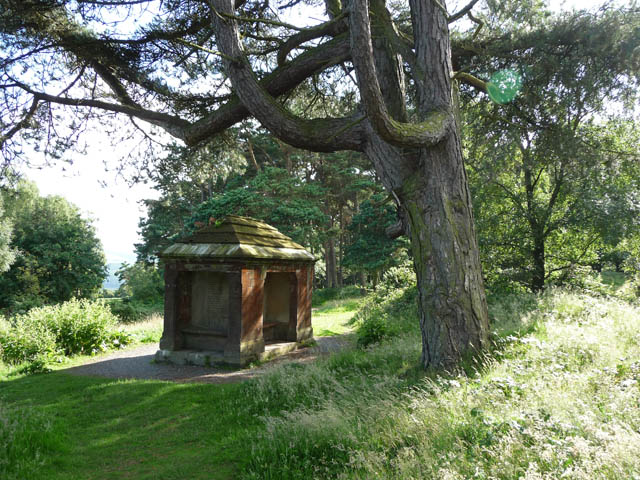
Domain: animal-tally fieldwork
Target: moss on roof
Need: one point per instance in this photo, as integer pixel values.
(238, 237)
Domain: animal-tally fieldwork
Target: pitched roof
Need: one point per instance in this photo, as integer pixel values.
(238, 237)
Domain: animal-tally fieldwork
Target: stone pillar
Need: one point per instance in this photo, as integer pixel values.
(234, 335)
(292, 332)
(170, 335)
(304, 282)
(246, 303)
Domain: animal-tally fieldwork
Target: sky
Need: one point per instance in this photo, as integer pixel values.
(115, 207)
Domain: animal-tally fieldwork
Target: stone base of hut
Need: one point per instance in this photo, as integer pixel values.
(208, 358)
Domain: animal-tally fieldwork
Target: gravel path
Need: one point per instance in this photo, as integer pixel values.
(137, 362)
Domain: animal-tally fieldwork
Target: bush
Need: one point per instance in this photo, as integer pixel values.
(375, 328)
(402, 276)
(73, 327)
(390, 310)
(127, 311)
(24, 340)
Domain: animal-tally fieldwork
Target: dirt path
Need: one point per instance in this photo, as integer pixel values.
(137, 362)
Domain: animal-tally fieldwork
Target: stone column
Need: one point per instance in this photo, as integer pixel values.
(246, 303)
(292, 331)
(234, 329)
(305, 286)
(170, 340)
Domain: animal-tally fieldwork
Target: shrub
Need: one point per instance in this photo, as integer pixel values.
(82, 326)
(25, 340)
(375, 328)
(127, 311)
(73, 327)
(389, 311)
(402, 276)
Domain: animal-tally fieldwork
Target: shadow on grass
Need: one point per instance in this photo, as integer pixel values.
(143, 367)
(137, 429)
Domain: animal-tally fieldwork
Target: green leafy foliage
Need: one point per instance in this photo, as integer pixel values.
(60, 256)
(7, 253)
(272, 195)
(553, 173)
(70, 328)
(371, 249)
(24, 340)
(141, 283)
(391, 309)
(127, 310)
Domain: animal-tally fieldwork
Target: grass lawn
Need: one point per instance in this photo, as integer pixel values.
(110, 429)
(558, 397)
(334, 317)
(103, 428)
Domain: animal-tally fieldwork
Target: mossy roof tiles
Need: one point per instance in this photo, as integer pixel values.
(236, 237)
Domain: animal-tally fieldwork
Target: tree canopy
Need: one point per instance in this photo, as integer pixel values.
(58, 254)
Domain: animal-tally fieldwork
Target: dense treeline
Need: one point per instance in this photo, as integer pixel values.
(565, 203)
(49, 252)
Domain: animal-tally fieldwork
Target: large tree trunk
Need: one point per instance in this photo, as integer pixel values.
(453, 311)
(436, 201)
(431, 185)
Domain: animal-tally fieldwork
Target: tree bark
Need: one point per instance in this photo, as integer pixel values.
(432, 187)
(330, 263)
(436, 201)
(536, 225)
(539, 260)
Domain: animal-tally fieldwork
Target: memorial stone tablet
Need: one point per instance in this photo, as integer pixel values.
(210, 301)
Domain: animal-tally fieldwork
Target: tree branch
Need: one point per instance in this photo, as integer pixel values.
(283, 79)
(427, 133)
(114, 84)
(266, 21)
(23, 123)
(457, 16)
(324, 134)
(332, 27)
(174, 125)
(471, 80)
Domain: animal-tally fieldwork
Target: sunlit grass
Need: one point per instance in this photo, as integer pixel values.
(334, 317)
(148, 330)
(558, 397)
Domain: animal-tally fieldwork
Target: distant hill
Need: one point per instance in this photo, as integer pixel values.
(112, 282)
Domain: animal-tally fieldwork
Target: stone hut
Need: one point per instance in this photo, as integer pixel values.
(236, 291)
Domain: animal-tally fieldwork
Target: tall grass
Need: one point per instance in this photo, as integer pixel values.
(27, 440)
(559, 398)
